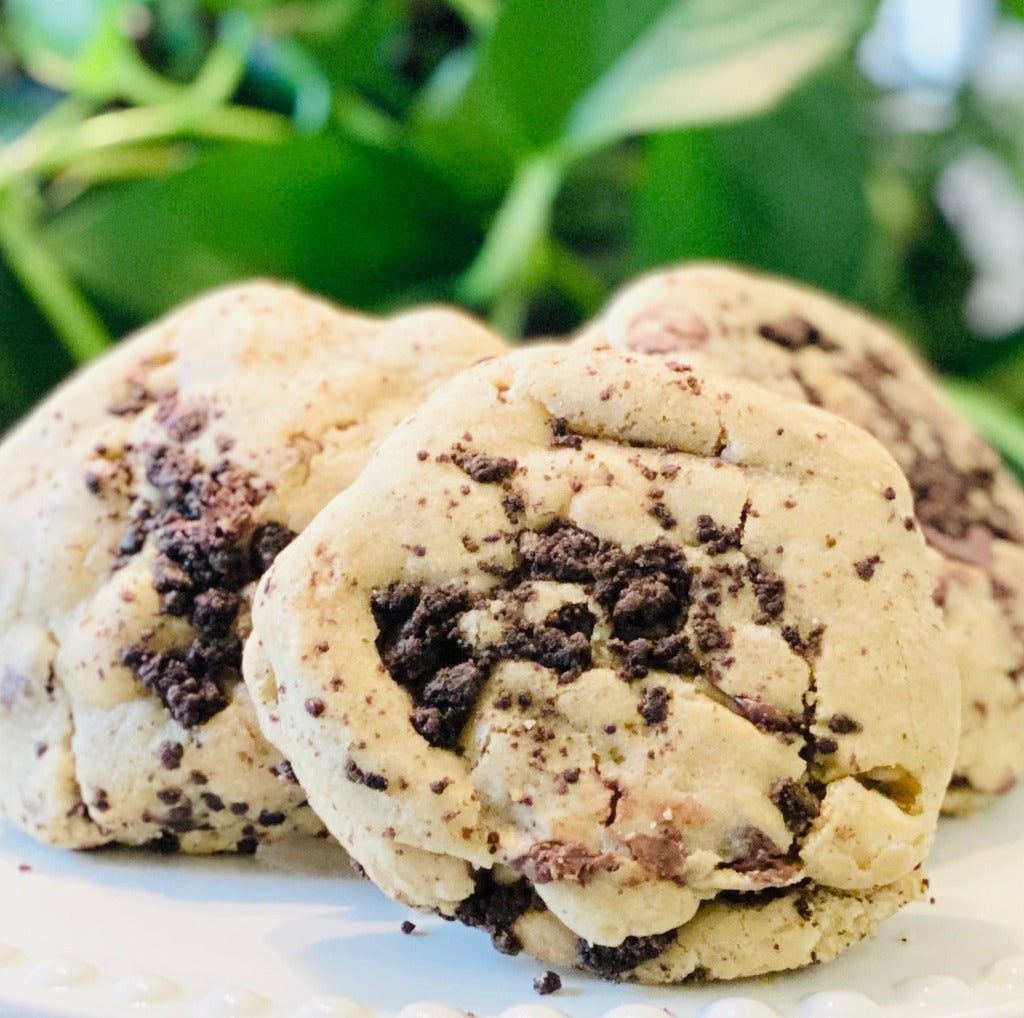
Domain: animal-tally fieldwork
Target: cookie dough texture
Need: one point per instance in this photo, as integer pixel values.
(140, 504)
(810, 347)
(631, 666)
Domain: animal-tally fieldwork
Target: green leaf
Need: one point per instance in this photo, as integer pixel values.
(572, 76)
(783, 192)
(348, 221)
(995, 419)
(706, 61)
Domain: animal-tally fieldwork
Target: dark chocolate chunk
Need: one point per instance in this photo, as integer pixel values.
(614, 962)
(563, 552)
(191, 700)
(268, 541)
(495, 908)
(165, 843)
(418, 629)
(407, 927)
(448, 699)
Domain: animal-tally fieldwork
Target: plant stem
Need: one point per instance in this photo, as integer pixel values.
(72, 317)
(517, 230)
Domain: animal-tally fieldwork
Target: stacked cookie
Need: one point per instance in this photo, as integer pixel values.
(633, 663)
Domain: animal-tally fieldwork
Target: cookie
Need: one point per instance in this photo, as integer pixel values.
(141, 502)
(632, 666)
(808, 346)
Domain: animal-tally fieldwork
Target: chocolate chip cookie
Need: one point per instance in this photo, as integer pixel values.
(632, 666)
(811, 347)
(140, 505)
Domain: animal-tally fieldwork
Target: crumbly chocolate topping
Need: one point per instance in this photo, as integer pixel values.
(209, 548)
(614, 962)
(717, 538)
(644, 592)
(496, 908)
(661, 617)
(807, 646)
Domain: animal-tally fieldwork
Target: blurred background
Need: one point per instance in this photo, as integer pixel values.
(519, 157)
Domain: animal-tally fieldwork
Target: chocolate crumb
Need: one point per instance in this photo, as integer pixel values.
(653, 708)
(376, 782)
(485, 469)
(169, 754)
(562, 435)
(548, 983)
(407, 927)
(665, 519)
(315, 707)
(865, 568)
(843, 724)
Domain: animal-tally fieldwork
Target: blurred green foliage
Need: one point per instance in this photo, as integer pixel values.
(521, 157)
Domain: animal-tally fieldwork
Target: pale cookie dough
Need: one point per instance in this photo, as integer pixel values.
(811, 347)
(140, 504)
(621, 662)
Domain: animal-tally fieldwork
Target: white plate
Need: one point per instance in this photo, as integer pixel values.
(295, 934)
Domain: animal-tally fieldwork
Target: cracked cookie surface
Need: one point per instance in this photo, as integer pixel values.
(622, 663)
(810, 347)
(141, 503)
